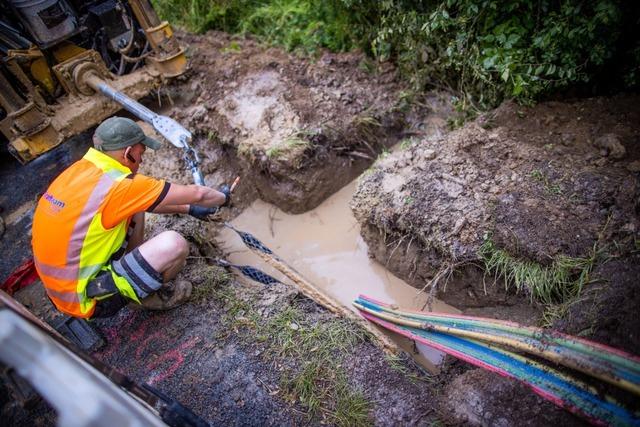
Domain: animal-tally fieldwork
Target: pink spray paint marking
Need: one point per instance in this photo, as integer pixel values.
(145, 335)
(112, 334)
(174, 357)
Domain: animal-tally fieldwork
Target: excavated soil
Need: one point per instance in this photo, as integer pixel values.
(539, 181)
(557, 179)
(218, 360)
(301, 129)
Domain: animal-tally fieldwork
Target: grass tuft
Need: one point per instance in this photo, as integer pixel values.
(315, 350)
(562, 281)
(549, 186)
(286, 146)
(321, 383)
(214, 278)
(399, 364)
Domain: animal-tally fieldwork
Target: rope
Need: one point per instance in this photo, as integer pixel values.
(310, 291)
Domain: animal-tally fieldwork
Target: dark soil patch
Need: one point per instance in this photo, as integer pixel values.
(551, 180)
(301, 129)
(216, 354)
(538, 186)
(558, 181)
(479, 397)
(608, 309)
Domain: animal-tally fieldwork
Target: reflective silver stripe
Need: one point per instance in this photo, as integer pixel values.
(138, 284)
(67, 272)
(72, 270)
(84, 219)
(115, 174)
(64, 296)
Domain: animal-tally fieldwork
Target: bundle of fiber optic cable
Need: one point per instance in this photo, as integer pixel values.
(497, 346)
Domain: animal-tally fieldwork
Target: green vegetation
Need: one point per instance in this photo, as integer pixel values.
(320, 384)
(399, 364)
(214, 278)
(281, 148)
(234, 47)
(484, 50)
(562, 281)
(549, 186)
(297, 25)
(312, 352)
(383, 154)
(488, 50)
(407, 143)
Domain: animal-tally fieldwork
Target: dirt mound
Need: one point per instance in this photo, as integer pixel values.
(483, 398)
(608, 309)
(301, 129)
(538, 183)
(540, 190)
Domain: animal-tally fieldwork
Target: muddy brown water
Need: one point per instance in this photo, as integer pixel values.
(325, 246)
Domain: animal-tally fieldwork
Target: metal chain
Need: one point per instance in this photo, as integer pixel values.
(191, 157)
(192, 160)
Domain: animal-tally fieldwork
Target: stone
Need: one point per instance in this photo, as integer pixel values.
(634, 166)
(429, 154)
(611, 143)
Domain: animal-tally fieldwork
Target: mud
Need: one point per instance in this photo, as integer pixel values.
(325, 246)
(75, 114)
(542, 181)
(214, 364)
(534, 180)
(483, 398)
(288, 118)
(607, 311)
(558, 179)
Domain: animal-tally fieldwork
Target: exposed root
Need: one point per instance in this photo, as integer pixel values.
(400, 240)
(445, 273)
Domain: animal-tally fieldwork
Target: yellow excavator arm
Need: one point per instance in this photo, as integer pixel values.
(55, 53)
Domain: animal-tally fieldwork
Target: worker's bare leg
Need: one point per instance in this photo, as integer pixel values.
(166, 253)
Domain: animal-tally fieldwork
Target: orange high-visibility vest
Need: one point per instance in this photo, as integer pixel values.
(70, 242)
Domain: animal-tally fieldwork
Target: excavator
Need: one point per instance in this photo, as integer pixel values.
(66, 65)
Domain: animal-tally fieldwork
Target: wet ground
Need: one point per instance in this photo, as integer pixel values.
(299, 131)
(325, 246)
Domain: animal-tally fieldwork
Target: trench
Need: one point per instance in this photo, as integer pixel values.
(325, 246)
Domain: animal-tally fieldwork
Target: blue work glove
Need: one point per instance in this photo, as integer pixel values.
(226, 190)
(201, 212)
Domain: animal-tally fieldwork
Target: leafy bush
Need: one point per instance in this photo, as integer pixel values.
(303, 25)
(202, 15)
(496, 49)
(486, 50)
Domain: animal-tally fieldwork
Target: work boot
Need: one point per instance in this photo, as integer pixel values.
(170, 295)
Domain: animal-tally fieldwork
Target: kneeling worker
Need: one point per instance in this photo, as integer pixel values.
(88, 228)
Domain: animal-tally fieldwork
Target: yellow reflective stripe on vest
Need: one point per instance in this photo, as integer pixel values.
(99, 253)
(105, 163)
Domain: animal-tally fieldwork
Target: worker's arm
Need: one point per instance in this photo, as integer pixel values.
(179, 197)
(171, 209)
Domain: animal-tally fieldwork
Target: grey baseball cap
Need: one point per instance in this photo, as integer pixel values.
(119, 132)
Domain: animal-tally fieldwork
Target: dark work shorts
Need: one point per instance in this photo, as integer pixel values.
(131, 272)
